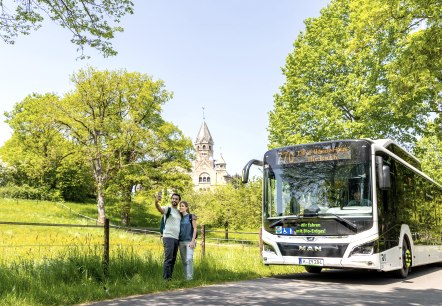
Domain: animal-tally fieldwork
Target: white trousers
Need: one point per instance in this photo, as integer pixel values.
(186, 253)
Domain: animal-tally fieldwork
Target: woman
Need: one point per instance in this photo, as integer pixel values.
(187, 239)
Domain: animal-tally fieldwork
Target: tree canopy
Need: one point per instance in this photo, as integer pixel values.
(362, 69)
(90, 22)
(114, 118)
(39, 154)
(110, 122)
(406, 37)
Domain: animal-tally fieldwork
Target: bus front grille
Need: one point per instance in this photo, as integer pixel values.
(312, 250)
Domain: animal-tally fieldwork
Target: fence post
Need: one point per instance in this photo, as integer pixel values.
(203, 240)
(106, 247)
(260, 240)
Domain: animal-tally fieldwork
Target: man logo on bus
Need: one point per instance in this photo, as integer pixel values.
(315, 248)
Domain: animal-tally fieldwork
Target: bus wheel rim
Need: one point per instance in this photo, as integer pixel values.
(407, 258)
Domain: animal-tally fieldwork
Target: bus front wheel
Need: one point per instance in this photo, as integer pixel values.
(313, 269)
(406, 260)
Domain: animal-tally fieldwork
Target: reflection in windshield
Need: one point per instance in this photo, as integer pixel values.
(319, 188)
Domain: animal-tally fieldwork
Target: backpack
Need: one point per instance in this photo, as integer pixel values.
(163, 220)
(190, 219)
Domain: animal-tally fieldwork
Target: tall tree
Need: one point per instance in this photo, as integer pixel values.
(38, 151)
(406, 37)
(114, 117)
(88, 21)
(344, 83)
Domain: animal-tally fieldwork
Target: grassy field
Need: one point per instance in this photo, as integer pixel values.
(55, 265)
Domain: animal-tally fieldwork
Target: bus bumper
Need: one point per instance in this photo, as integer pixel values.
(370, 262)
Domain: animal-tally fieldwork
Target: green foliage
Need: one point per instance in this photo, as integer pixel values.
(90, 22)
(6, 174)
(38, 155)
(250, 205)
(234, 206)
(363, 69)
(429, 151)
(29, 193)
(406, 36)
(101, 139)
(75, 180)
(35, 146)
(114, 118)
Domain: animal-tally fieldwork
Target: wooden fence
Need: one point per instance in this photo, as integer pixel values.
(107, 242)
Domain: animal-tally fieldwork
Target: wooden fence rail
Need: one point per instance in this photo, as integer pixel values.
(107, 226)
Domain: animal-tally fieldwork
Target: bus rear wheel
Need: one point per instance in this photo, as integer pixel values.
(313, 269)
(406, 260)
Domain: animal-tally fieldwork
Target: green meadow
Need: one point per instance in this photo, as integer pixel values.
(63, 265)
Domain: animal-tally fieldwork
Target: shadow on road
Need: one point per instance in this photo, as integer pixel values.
(331, 287)
(360, 277)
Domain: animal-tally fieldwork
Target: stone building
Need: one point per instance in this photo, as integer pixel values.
(208, 173)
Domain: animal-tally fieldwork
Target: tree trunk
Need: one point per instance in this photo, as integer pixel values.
(226, 230)
(99, 179)
(127, 205)
(100, 204)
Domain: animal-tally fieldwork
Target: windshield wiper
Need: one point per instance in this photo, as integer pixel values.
(350, 224)
(282, 220)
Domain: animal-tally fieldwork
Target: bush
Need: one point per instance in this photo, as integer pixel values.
(30, 193)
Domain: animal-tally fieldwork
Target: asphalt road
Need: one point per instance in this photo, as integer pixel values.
(330, 287)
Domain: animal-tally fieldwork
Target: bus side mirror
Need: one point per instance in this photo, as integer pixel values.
(246, 169)
(383, 174)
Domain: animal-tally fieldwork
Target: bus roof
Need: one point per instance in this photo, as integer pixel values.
(384, 142)
(388, 144)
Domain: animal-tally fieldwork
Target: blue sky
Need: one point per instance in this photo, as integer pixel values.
(225, 56)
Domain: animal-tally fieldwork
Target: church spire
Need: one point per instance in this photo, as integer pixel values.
(207, 173)
(204, 136)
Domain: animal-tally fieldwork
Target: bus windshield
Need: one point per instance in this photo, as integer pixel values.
(334, 180)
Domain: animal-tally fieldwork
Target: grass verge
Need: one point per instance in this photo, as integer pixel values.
(45, 265)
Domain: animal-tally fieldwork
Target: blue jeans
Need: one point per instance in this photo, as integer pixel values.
(170, 252)
(186, 253)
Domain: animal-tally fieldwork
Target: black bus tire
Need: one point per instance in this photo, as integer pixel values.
(313, 269)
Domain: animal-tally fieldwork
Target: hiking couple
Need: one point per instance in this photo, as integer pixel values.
(178, 233)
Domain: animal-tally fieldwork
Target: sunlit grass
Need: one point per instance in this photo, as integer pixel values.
(48, 265)
(76, 276)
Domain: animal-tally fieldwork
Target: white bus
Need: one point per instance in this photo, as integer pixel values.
(313, 215)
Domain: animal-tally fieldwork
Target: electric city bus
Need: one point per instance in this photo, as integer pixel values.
(359, 204)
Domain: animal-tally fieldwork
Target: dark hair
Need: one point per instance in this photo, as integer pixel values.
(176, 194)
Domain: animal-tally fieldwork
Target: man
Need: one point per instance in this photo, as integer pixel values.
(170, 234)
(358, 201)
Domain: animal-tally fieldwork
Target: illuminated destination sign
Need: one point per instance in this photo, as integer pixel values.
(303, 155)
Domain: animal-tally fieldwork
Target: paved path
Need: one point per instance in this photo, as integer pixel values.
(332, 287)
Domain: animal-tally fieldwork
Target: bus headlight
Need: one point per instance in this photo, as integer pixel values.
(364, 249)
(268, 248)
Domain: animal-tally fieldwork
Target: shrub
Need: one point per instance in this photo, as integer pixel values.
(30, 193)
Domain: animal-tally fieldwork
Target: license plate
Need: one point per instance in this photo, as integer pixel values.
(311, 261)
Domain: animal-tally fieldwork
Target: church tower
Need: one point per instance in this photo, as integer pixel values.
(207, 172)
